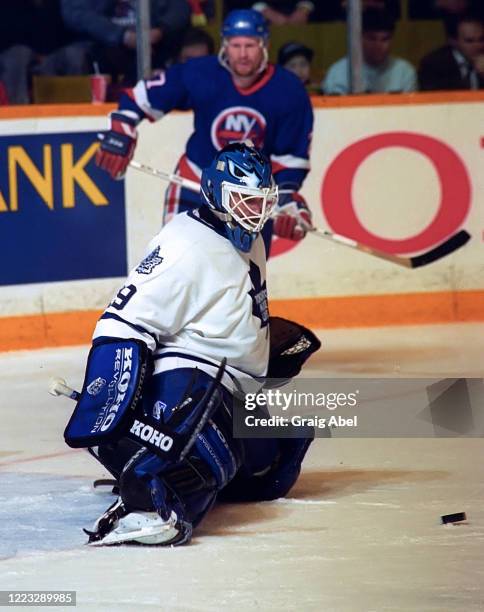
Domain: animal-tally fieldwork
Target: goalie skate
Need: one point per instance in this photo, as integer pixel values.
(118, 526)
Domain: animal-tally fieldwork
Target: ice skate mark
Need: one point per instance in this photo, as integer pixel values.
(292, 500)
(36, 458)
(332, 484)
(8, 453)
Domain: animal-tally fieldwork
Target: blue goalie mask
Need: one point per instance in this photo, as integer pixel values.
(239, 188)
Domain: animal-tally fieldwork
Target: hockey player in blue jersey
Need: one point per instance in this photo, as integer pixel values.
(235, 96)
(168, 353)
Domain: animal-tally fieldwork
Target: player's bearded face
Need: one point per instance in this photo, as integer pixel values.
(244, 55)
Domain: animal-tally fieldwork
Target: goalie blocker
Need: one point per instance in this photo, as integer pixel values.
(106, 409)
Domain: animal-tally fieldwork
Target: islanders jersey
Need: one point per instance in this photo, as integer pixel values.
(275, 113)
(195, 299)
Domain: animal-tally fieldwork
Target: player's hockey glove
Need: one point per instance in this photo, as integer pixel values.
(117, 145)
(293, 219)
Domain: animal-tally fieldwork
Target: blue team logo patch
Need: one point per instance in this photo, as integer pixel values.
(238, 123)
(258, 293)
(150, 262)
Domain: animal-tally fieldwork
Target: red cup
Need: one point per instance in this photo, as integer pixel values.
(99, 88)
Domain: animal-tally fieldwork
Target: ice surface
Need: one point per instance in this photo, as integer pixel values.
(360, 531)
(48, 510)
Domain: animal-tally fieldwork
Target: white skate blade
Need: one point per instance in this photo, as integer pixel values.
(143, 528)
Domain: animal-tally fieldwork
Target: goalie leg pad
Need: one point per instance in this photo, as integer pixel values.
(188, 488)
(157, 508)
(274, 481)
(116, 455)
(182, 492)
(212, 461)
(177, 399)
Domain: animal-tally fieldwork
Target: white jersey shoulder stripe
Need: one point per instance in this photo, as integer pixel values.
(174, 363)
(291, 161)
(141, 98)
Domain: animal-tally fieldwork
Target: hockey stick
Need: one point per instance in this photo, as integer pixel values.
(58, 386)
(174, 178)
(445, 248)
(442, 250)
(166, 176)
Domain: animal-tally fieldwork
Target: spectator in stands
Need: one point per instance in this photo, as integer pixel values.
(441, 9)
(321, 10)
(202, 12)
(330, 10)
(381, 71)
(285, 12)
(230, 5)
(296, 58)
(195, 43)
(57, 52)
(15, 54)
(460, 63)
(111, 25)
(34, 39)
(15, 62)
(391, 6)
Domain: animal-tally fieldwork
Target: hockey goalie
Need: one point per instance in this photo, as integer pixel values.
(167, 356)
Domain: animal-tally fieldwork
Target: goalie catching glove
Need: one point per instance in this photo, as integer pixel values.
(118, 144)
(294, 218)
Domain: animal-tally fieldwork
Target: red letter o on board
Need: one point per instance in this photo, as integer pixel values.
(454, 183)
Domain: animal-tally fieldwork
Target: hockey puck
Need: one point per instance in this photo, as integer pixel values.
(457, 517)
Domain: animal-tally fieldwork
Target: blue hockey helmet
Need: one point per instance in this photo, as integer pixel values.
(245, 22)
(239, 188)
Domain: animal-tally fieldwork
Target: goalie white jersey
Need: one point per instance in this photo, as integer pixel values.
(195, 299)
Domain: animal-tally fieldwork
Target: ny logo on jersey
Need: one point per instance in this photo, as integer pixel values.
(238, 123)
(258, 293)
(150, 262)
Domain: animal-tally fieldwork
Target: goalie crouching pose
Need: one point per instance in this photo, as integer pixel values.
(156, 405)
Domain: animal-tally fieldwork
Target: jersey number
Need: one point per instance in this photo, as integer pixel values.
(123, 296)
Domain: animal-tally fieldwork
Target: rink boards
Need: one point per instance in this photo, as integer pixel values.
(399, 173)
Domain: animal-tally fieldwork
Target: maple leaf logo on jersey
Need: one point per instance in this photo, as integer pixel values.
(238, 123)
(258, 293)
(150, 262)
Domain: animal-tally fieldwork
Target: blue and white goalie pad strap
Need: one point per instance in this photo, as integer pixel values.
(115, 373)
